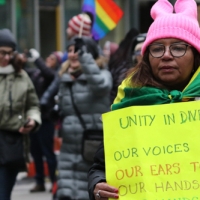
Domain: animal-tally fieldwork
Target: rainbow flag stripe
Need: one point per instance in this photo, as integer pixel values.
(106, 14)
(89, 6)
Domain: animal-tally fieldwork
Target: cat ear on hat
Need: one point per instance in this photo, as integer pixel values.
(187, 8)
(161, 7)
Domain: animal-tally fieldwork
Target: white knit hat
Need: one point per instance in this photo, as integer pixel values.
(81, 21)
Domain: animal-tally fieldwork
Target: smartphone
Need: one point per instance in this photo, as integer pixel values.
(26, 123)
(78, 44)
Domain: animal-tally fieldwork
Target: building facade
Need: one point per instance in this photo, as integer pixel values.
(41, 24)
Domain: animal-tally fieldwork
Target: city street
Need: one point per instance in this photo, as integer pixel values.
(24, 184)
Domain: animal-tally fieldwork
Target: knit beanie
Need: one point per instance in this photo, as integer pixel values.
(81, 22)
(181, 24)
(7, 39)
(58, 55)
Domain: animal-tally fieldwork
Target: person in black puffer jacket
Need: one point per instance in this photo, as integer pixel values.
(43, 140)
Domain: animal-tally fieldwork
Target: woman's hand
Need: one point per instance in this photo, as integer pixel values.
(28, 127)
(104, 191)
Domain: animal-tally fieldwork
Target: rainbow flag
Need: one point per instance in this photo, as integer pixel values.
(106, 14)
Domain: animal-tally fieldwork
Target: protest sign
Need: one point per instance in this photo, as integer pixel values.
(153, 152)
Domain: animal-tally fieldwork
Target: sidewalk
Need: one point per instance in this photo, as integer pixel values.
(24, 184)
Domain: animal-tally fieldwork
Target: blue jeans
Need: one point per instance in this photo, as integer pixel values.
(42, 144)
(8, 176)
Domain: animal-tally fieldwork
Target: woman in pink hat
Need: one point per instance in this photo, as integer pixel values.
(170, 62)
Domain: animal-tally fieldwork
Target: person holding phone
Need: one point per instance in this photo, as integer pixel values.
(84, 77)
(20, 113)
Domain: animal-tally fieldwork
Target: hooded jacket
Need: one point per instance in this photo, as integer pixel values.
(18, 101)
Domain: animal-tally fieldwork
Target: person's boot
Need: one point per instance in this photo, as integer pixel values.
(38, 188)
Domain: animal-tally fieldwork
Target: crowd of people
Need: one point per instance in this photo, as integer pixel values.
(84, 82)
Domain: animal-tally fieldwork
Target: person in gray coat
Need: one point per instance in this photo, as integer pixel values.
(90, 86)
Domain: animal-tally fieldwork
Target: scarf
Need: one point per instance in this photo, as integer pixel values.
(7, 70)
(76, 73)
(130, 96)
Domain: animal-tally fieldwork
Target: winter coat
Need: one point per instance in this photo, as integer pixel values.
(96, 173)
(52, 90)
(42, 76)
(50, 93)
(91, 95)
(17, 102)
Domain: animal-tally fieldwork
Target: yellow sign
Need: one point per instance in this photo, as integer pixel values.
(153, 152)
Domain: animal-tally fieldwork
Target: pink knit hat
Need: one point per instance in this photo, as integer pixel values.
(81, 21)
(59, 55)
(182, 24)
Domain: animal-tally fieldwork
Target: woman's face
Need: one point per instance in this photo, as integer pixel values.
(172, 71)
(6, 53)
(51, 61)
(73, 58)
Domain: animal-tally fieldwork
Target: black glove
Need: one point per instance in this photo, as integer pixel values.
(79, 43)
(55, 113)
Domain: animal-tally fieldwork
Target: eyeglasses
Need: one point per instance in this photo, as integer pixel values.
(176, 50)
(4, 53)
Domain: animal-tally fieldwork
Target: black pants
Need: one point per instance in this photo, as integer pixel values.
(42, 145)
(8, 176)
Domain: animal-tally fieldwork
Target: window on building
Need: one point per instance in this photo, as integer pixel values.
(25, 24)
(5, 10)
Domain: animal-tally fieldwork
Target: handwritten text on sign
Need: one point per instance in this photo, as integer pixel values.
(153, 152)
